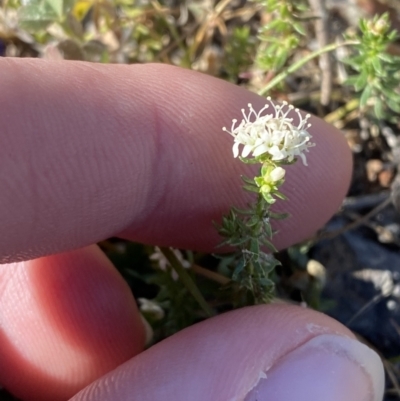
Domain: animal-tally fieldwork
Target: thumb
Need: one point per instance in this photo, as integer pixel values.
(254, 354)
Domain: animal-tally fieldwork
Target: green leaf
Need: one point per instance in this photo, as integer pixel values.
(253, 221)
(278, 216)
(280, 60)
(298, 27)
(251, 188)
(376, 63)
(242, 211)
(351, 81)
(238, 269)
(280, 195)
(379, 109)
(254, 246)
(56, 6)
(236, 241)
(361, 81)
(269, 245)
(386, 57)
(395, 106)
(247, 180)
(259, 181)
(348, 61)
(301, 7)
(36, 16)
(363, 25)
(268, 197)
(268, 230)
(266, 282)
(392, 36)
(391, 95)
(365, 96)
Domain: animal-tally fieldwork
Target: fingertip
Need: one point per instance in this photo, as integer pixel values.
(328, 367)
(137, 151)
(227, 357)
(66, 320)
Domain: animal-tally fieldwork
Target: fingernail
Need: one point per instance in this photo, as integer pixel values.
(326, 368)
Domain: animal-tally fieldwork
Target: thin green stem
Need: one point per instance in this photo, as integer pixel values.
(187, 280)
(216, 277)
(341, 112)
(280, 77)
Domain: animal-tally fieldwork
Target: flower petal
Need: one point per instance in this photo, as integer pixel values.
(246, 150)
(259, 150)
(235, 149)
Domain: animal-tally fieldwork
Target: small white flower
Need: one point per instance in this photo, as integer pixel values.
(274, 134)
(151, 307)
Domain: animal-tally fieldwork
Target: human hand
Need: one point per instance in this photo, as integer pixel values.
(93, 151)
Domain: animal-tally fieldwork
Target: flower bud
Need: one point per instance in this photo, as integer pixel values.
(278, 173)
(379, 26)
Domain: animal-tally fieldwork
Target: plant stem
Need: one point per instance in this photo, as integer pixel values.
(187, 280)
(322, 35)
(341, 112)
(280, 77)
(216, 277)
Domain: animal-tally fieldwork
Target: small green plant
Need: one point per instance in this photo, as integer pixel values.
(239, 52)
(375, 73)
(176, 303)
(273, 141)
(282, 35)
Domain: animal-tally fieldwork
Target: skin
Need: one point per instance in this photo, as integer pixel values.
(92, 151)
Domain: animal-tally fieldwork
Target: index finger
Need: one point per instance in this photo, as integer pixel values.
(91, 151)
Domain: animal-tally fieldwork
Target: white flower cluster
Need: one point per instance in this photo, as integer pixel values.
(163, 264)
(274, 133)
